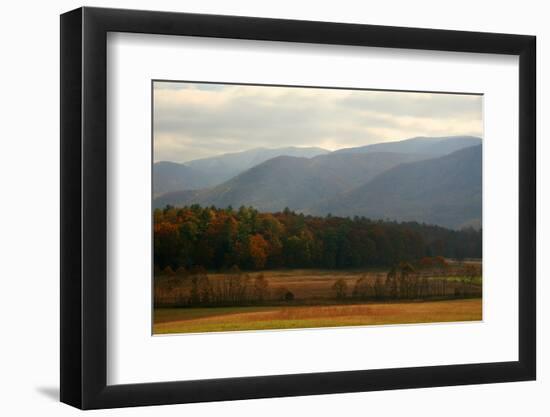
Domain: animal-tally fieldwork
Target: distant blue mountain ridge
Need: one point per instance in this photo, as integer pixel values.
(431, 180)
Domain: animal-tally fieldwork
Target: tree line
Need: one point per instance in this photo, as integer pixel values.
(217, 239)
(405, 281)
(195, 288)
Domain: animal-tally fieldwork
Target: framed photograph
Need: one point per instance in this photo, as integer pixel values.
(258, 208)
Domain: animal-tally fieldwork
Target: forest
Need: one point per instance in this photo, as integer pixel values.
(218, 239)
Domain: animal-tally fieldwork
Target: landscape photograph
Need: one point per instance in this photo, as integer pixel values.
(281, 207)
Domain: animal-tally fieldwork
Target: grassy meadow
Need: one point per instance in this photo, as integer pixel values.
(198, 320)
(314, 302)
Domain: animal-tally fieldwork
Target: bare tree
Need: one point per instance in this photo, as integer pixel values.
(261, 288)
(340, 287)
(391, 284)
(378, 288)
(362, 289)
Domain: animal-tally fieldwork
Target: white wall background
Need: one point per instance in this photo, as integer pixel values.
(29, 213)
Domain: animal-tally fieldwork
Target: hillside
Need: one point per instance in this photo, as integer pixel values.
(297, 183)
(432, 146)
(171, 176)
(208, 172)
(446, 191)
(223, 167)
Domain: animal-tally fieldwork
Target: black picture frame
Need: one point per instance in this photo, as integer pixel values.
(84, 207)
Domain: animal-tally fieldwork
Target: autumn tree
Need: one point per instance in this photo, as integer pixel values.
(219, 238)
(166, 244)
(258, 251)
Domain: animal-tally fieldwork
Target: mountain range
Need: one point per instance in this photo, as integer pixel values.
(432, 146)
(446, 191)
(171, 176)
(431, 180)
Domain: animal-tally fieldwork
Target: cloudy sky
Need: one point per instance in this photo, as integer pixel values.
(193, 120)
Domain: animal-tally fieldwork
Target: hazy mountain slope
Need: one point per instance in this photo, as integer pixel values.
(223, 167)
(273, 185)
(356, 169)
(432, 146)
(446, 191)
(171, 176)
(201, 173)
(297, 183)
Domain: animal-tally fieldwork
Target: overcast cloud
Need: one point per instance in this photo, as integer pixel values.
(194, 121)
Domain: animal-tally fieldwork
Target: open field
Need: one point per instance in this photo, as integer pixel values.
(197, 320)
(310, 283)
(307, 286)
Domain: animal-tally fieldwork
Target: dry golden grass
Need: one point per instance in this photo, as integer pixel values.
(260, 318)
(308, 283)
(305, 284)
